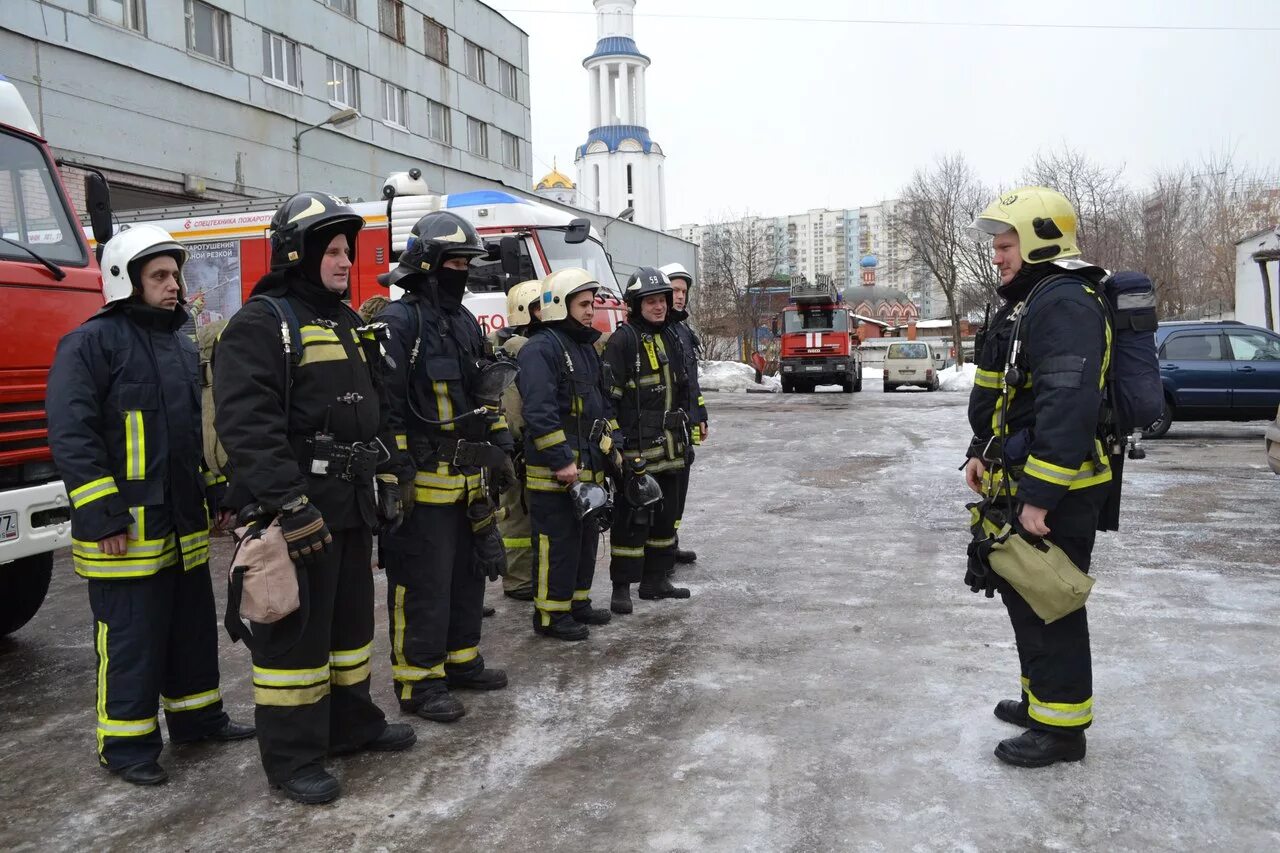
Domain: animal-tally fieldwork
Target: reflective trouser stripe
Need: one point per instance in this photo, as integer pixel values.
(192, 702)
(542, 569)
(509, 544)
(92, 491)
(552, 606)
(401, 671)
(1065, 714)
(350, 666)
(620, 551)
(290, 687)
(463, 655)
(135, 446)
(108, 727)
(582, 595)
(660, 543)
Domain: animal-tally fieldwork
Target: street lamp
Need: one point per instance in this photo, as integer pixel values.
(628, 215)
(341, 118)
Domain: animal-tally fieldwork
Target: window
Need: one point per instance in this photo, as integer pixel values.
(1254, 346)
(130, 14)
(1194, 347)
(208, 31)
(438, 127)
(393, 105)
(629, 184)
(342, 85)
(508, 80)
(346, 7)
(477, 137)
(391, 19)
(510, 150)
(32, 211)
(475, 61)
(280, 60)
(436, 36)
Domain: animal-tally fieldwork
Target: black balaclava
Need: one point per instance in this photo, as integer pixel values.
(1026, 279)
(451, 284)
(314, 246)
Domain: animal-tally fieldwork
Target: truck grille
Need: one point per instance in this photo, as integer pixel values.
(24, 432)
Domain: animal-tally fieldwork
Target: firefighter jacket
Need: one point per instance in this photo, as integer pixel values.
(125, 431)
(1048, 421)
(562, 385)
(509, 342)
(434, 355)
(690, 346)
(334, 391)
(648, 393)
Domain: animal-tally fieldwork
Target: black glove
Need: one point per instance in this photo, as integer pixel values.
(305, 533)
(504, 476)
(489, 556)
(391, 504)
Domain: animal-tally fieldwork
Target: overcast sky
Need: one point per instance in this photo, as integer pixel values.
(779, 116)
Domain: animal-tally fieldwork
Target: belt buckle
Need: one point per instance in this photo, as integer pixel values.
(456, 461)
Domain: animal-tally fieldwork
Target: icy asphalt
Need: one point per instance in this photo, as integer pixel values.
(828, 687)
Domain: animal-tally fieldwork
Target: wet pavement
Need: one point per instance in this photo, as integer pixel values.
(828, 687)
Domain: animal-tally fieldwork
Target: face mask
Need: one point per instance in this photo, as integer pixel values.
(452, 282)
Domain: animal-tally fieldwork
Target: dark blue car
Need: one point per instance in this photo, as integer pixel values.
(1224, 371)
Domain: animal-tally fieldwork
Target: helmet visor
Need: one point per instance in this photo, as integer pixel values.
(985, 228)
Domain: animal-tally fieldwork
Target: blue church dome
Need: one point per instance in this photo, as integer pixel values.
(613, 135)
(615, 46)
(868, 262)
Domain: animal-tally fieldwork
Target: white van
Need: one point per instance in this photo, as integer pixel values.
(909, 363)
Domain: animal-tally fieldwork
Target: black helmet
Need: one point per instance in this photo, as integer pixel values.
(591, 501)
(640, 487)
(307, 214)
(436, 237)
(646, 281)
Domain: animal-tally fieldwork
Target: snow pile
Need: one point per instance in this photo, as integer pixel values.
(733, 376)
(870, 373)
(957, 378)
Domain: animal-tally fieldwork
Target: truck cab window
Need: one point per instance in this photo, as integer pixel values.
(32, 211)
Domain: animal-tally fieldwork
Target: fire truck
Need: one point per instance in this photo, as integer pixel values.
(818, 341)
(229, 250)
(49, 284)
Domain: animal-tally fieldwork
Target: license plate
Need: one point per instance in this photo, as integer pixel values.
(907, 370)
(8, 526)
(813, 368)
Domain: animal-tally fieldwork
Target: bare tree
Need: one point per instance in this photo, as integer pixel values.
(737, 254)
(1098, 195)
(932, 220)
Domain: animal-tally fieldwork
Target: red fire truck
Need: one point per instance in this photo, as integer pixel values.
(818, 343)
(49, 284)
(229, 248)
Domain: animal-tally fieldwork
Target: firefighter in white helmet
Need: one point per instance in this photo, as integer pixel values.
(690, 349)
(125, 431)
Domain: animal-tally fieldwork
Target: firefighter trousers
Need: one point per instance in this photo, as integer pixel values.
(311, 669)
(435, 598)
(643, 541)
(516, 540)
(156, 640)
(1057, 673)
(566, 555)
(684, 491)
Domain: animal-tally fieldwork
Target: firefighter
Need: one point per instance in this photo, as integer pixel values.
(690, 348)
(1035, 412)
(435, 561)
(126, 437)
(568, 432)
(643, 358)
(524, 307)
(305, 429)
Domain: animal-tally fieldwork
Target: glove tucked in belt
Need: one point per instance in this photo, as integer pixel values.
(352, 462)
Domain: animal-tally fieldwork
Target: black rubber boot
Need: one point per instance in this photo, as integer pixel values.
(312, 789)
(480, 679)
(396, 737)
(230, 731)
(651, 589)
(1013, 711)
(620, 602)
(686, 557)
(1037, 748)
(563, 627)
(440, 707)
(147, 773)
(487, 611)
(523, 594)
(588, 615)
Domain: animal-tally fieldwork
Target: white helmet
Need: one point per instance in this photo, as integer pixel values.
(129, 247)
(519, 298)
(559, 286)
(677, 271)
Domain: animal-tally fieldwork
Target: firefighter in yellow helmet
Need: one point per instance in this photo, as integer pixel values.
(523, 310)
(1037, 458)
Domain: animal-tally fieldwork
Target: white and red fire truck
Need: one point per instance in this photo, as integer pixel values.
(818, 343)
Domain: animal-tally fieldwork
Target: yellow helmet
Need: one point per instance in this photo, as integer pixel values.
(559, 286)
(518, 300)
(1043, 218)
